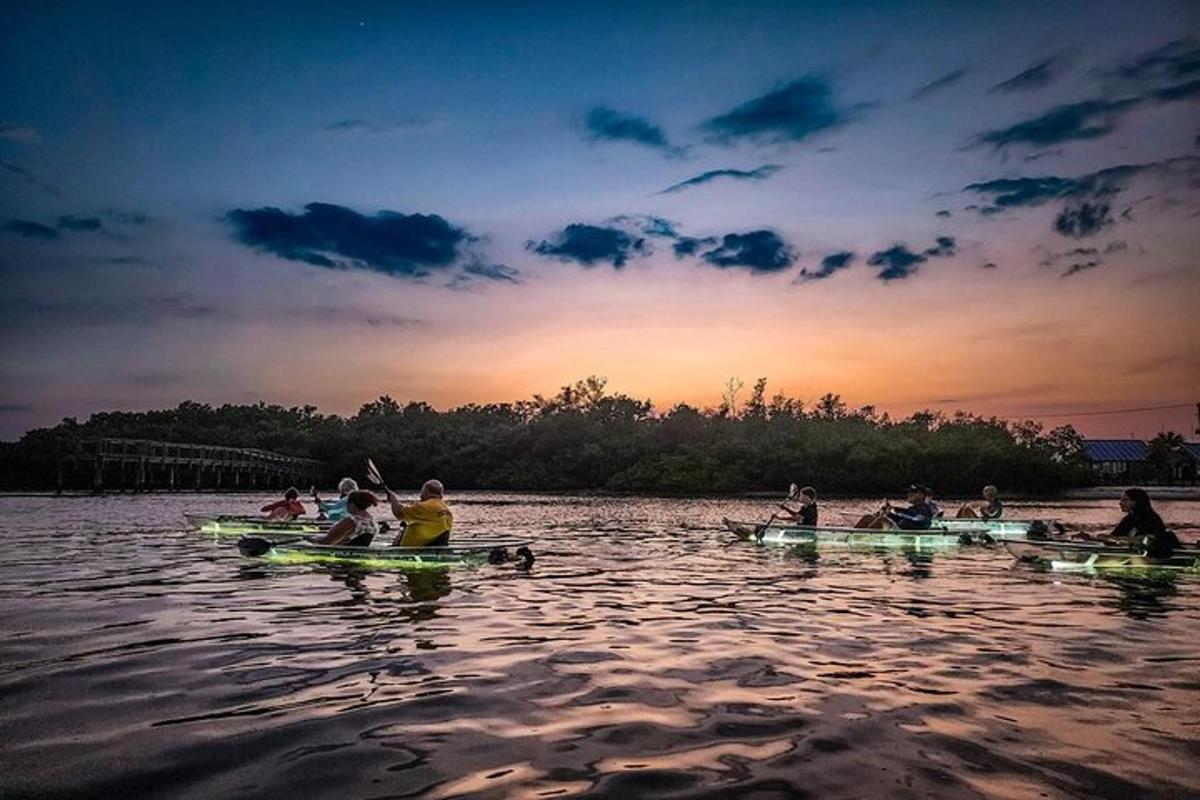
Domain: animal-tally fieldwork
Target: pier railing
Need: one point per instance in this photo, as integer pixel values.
(143, 464)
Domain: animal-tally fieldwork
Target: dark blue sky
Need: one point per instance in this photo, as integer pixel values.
(665, 193)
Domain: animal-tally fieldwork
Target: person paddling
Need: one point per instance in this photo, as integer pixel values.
(357, 528)
(427, 522)
(917, 516)
(1141, 528)
(806, 513)
(990, 508)
(287, 509)
(334, 510)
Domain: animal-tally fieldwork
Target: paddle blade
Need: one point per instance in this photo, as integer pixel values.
(373, 473)
(793, 490)
(254, 545)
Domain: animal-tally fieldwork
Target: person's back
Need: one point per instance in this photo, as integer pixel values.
(428, 521)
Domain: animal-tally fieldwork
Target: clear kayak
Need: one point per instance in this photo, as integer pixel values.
(782, 533)
(240, 525)
(390, 557)
(1087, 556)
(998, 528)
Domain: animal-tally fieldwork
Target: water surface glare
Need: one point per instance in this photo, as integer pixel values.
(644, 655)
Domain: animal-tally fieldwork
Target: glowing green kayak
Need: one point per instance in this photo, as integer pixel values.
(475, 552)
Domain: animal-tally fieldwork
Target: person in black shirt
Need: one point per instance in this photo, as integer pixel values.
(806, 514)
(1141, 528)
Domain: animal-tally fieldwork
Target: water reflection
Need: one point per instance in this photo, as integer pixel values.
(641, 657)
(1143, 596)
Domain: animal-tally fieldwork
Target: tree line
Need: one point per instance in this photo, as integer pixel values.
(586, 438)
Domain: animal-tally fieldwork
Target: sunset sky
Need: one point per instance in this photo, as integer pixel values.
(992, 207)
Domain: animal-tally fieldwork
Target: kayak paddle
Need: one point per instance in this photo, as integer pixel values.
(260, 546)
(374, 477)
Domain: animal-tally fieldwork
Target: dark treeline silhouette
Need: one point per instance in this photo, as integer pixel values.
(585, 438)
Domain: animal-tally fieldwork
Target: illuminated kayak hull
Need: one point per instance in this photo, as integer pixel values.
(479, 552)
(232, 525)
(1088, 556)
(829, 535)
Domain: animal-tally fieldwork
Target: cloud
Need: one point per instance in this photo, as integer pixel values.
(1035, 77)
(362, 127)
(689, 246)
(758, 251)
(829, 265)
(1007, 193)
(1090, 119)
(1081, 258)
(1038, 156)
(1080, 267)
(1087, 199)
(647, 224)
(944, 213)
(1168, 74)
(75, 223)
(30, 230)
(944, 247)
(605, 124)
(591, 244)
(494, 272)
(1083, 220)
(989, 265)
(759, 174)
(18, 132)
(1174, 61)
(332, 236)
(792, 113)
(941, 83)
(30, 178)
(898, 262)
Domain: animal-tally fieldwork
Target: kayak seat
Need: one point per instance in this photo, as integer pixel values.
(362, 540)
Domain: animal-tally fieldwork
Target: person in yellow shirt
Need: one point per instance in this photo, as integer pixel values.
(427, 522)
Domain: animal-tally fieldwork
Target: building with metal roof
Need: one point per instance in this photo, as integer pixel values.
(1100, 451)
(1116, 459)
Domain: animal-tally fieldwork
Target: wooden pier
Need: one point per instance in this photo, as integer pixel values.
(143, 465)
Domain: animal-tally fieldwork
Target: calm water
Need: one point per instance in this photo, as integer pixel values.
(645, 655)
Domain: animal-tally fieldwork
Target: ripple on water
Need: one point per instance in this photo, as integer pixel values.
(645, 656)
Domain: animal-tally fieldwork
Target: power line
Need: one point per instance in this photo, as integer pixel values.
(1113, 411)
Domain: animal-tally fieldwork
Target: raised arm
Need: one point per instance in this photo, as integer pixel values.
(397, 506)
(338, 533)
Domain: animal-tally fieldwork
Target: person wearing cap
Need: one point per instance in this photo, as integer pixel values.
(427, 522)
(806, 514)
(335, 510)
(357, 528)
(917, 516)
(287, 509)
(990, 508)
